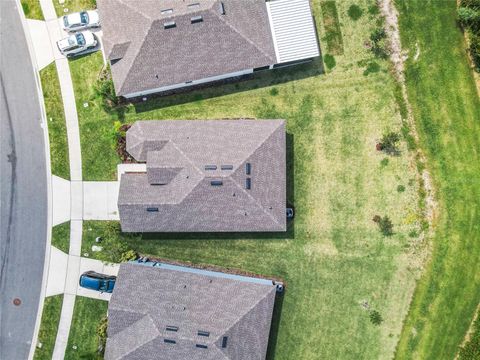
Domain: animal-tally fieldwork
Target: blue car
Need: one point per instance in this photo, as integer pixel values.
(98, 282)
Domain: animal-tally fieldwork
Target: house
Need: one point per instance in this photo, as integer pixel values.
(158, 46)
(171, 312)
(205, 176)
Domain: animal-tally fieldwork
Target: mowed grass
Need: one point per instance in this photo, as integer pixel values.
(447, 112)
(71, 6)
(61, 237)
(333, 33)
(83, 340)
(335, 262)
(32, 9)
(52, 308)
(57, 128)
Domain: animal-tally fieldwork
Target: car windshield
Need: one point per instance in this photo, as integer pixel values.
(80, 39)
(84, 17)
(65, 20)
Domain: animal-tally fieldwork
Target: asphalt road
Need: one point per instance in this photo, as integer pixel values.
(23, 194)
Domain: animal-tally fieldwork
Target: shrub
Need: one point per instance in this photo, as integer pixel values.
(379, 45)
(372, 67)
(377, 218)
(389, 143)
(329, 61)
(384, 162)
(469, 17)
(375, 317)
(471, 350)
(355, 12)
(475, 51)
(400, 188)
(115, 249)
(274, 91)
(105, 89)
(102, 334)
(386, 226)
(373, 9)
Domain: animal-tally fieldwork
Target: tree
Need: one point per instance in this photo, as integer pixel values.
(389, 143)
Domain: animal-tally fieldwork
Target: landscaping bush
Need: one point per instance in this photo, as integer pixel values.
(329, 61)
(389, 143)
(355, 12)
(115, 250)
(102, 334)
(469, 17)
(375, 317)
(105, 89)
(400, 188)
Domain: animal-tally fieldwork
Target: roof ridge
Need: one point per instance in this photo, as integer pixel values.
(151, 20)
(238, 32)
(244, 314)
(141, 344)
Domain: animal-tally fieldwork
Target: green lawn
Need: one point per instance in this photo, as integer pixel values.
(82, 340)
(32, 9)
(447, 112)
(61, 237)
(52, 308)
(57, 128)
(336, 264)
(73, 6)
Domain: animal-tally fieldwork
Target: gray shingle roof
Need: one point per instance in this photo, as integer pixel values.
(191, 157)
(146, 300)
(155, 57)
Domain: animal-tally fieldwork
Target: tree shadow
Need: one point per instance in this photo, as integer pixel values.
(231, 86)
(274, 327)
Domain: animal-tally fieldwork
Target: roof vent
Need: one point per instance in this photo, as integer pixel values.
(248, 168)
(248, 183)
(203, 333)
(216, 182)
(169, 25)
(169, 341)
(226, 167)
(152, 209)
(224, 341)
(210, 167)
(222, 8)
(166, 11)
(171, 328)
(196, 19)
(201, 346)
(194, 5)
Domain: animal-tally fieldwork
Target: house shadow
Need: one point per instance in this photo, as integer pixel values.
(289, 234)
(253, 81)
(275, 325)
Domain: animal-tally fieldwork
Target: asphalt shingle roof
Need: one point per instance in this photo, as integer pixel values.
(153, 56)
(203, 167)
(147, 300)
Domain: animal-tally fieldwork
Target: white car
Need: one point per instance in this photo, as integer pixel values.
(81, 20)
(77, 43)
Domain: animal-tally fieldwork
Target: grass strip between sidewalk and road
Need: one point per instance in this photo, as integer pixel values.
(83, 340)
(61, 237)
(32, 9)
(57, 127)
(446, 108)
(52, 308)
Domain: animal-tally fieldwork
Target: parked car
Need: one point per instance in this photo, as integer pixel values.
(98, 282)
(77, 43)
(81, 20)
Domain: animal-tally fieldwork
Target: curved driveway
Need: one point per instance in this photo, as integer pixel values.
(23, 189)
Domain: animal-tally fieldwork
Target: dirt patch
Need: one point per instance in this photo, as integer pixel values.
(398, 58)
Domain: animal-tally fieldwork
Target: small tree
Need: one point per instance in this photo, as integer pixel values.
(386, 226)
(375, 317)
(389, 143)
(105, 89)
(379, 45)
